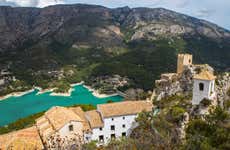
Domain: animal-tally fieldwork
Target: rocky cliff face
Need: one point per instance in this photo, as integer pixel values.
(150, 23)
(222, 87)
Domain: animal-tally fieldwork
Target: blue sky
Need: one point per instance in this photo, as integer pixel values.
(216, 11)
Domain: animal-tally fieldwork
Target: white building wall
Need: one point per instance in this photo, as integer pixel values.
(2, 81)
(87, 137)
(118, 122)
(77, 128)
(208, 91)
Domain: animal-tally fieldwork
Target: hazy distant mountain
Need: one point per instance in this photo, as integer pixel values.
(139, 43)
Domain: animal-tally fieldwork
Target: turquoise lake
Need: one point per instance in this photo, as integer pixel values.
(14, 108)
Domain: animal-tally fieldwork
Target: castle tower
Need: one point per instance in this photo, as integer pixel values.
(183, 60)
(203, 87)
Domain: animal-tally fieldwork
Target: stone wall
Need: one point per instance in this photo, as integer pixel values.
(72, 141)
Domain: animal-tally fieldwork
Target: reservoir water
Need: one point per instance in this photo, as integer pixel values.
(14, 108)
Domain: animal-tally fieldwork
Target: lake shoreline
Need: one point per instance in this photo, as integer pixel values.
(40, 91)
(97, 94)
(67, 94)
(16, 94)
(15, 108)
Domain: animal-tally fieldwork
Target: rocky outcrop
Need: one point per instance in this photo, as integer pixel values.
(167, 85)
(183, 125)
(222, 86)
(172, 83)
(154, 22)
(152, 31)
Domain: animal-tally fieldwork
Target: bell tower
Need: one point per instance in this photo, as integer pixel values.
(203, 87)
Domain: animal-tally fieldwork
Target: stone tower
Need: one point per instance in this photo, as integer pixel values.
(183, 60)
(203, 87)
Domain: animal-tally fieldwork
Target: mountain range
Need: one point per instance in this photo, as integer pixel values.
(138, 43)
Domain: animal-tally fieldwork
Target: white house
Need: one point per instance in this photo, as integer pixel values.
(203, 87)
(117, 119)
(60, 125)
(66, 126)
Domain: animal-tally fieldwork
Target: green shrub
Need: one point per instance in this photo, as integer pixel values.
(122, 144)
(198, 126)
(90, 146)
(228, 92)
(177, 113)
(85, 107)
(21, 123)
(211, 132)
(109, 101)
(205, 102)
(227, 104)
(62, 87)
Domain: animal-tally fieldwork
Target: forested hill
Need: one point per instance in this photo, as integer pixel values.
(139, 43)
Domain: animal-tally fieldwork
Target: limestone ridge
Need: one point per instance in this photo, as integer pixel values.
(18, 25)
(32, 28)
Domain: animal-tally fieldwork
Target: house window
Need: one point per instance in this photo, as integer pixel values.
(113, 127)
(123, 118)
(112, 119)
(201, 86)
(101, 138)
(123, 125)
(123, 134)
(70, 127)
(113, 136)
(100, 129)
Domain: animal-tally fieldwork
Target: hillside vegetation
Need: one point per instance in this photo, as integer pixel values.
(138, 43)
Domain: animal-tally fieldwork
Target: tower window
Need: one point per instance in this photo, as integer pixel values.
(201, 86)
(112, 127)
(70, 127)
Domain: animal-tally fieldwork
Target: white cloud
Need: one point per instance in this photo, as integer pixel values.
(44, 3)
(24, 3)
(31, 3)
